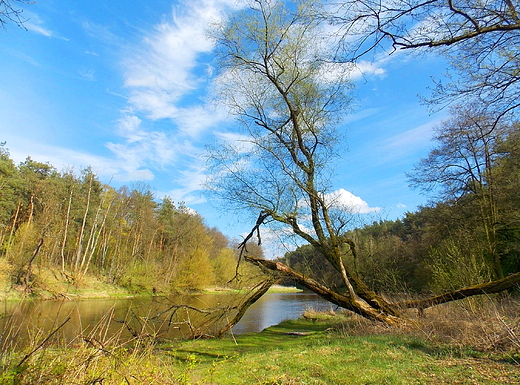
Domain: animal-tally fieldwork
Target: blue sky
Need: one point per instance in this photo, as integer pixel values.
(124, 86)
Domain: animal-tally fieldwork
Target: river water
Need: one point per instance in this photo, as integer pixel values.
(106, 319)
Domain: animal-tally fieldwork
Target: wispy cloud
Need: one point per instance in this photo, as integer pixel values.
(103, 34)
(160, 71)
(166, 67)
(418, 137)
(360, 115)
(38, 29)
(141, 146)
(36, 25)
(189, 181)
(159, 128)
(66, 159)
(87, 74)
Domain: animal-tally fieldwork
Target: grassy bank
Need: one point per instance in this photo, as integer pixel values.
(458, 344)
(272, 289)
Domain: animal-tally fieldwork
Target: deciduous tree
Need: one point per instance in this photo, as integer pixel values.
(288, 99)
(462, 167)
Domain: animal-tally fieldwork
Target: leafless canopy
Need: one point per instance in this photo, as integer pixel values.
(479, 38)
(9, 13)
(408, 24)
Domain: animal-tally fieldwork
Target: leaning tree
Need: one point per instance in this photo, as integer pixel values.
(289, 100)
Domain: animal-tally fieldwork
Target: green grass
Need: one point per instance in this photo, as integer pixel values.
(294, 352)
(317, 356)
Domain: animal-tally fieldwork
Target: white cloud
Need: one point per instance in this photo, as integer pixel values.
(38, 29)
(162, 71)
(241, 143)
(189, 182)
(35, 24)
(195, 120)
(343, 199)
(103, 34)
(145, 146)
(364, 68)
(346, 201)
(65, 159)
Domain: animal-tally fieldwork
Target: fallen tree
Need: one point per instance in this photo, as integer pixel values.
(492, 287)
(390, 314)
(356, 304)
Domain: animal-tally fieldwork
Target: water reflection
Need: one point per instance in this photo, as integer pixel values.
(25, 322)
(274, 308)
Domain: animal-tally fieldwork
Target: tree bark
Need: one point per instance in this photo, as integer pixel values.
(379, 314)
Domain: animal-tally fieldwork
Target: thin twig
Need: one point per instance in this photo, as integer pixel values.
(27, 356)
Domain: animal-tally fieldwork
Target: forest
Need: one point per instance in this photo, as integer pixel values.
(62, 227)
(431, 297)
(70, 226)
(273, 62)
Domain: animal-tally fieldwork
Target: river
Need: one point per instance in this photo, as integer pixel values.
(30, 321)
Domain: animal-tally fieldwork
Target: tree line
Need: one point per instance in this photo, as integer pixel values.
(73, 226)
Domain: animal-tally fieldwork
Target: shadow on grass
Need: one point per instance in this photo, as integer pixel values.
(281, 336)
(302, 334)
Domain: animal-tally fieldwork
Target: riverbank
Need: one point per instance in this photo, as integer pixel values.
(51, 285)
(318, 349)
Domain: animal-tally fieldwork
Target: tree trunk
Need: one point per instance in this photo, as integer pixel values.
(484, 288)
(365, 309)
(83, 225)
(353, 304)
(65, 233)
(242, 308)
